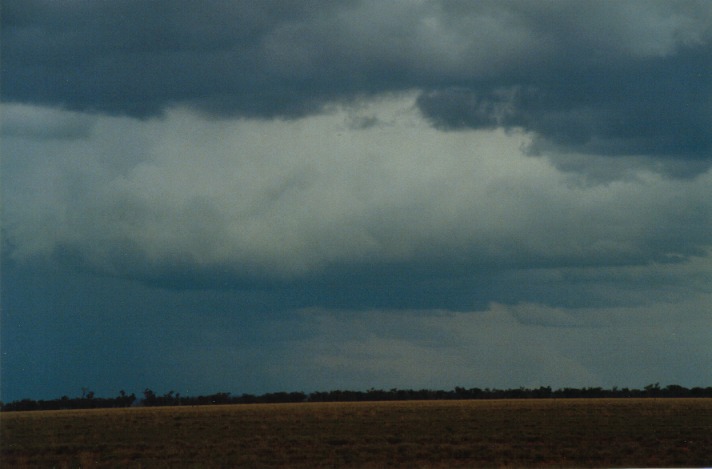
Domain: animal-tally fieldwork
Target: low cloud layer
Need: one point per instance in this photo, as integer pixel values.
(83, 330)
(614, 78)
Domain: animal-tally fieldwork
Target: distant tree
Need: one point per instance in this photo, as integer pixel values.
(124, 400)
(674, 390)
(149, 397)
(652, 390)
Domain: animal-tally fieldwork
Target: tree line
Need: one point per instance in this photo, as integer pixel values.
(87, 401)
(150, 399)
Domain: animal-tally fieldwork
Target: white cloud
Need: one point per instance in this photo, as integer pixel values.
(287, 198)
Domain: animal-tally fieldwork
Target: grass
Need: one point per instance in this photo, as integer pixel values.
(503, 433)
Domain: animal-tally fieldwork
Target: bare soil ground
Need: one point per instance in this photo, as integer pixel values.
(497, 433)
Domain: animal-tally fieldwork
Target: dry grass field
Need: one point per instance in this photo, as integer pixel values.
(503, 433)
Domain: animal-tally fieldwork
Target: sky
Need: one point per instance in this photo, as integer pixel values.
(251, 197)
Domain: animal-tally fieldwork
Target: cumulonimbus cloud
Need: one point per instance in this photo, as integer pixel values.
(297, 198)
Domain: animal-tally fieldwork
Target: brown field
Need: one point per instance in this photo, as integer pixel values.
(502, 433)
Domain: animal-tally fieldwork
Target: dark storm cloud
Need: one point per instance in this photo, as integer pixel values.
(653, 106)
(137, 57)
(597, 85)
(590, 77)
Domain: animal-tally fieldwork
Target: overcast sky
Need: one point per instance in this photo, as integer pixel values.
(240, 196)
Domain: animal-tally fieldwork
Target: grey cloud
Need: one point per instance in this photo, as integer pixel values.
(619, 347)
(119, 334)
(594, 77)
(34, 124)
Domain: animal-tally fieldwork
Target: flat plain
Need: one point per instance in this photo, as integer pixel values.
(474, 433)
